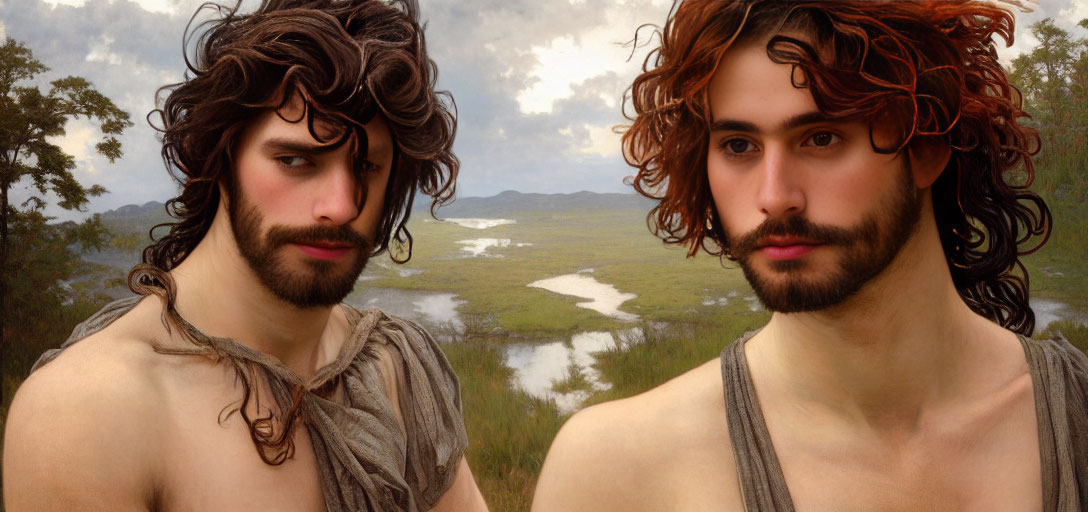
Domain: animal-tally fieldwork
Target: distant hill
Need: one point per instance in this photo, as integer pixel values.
(133, 218)
(510, 203)
(139, 218)
(131, 210)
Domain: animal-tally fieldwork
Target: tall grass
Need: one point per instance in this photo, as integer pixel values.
(1076, 333)
(509, 431)
(1059, 269)
(666, 352)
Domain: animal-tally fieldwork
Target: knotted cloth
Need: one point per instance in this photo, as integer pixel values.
(366, 460)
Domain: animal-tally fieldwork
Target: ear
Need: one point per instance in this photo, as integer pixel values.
(928, 158)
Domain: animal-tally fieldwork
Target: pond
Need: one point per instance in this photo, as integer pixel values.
(1048, 311)
(603, 298)
(432, 309)
(539, 366)
(478, 247)
(480, 223)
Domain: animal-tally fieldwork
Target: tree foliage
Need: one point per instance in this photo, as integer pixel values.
(1053, 78)
(34, 255)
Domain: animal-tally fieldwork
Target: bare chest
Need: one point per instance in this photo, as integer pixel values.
(982, 458)
(1001, 474)
(987, 481)
(984, 466)
(211, 463)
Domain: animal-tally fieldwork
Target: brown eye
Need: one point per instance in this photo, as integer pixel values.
(737, 146)
(292, 161)
(822, 139)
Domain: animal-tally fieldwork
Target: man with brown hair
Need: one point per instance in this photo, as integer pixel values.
(237, 380)
(864, 164)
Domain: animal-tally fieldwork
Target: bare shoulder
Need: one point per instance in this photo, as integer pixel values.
(81, 430)
(645, 452)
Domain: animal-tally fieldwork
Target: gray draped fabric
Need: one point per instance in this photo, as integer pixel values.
(762, 485)
(365, 459)
(1059, 374)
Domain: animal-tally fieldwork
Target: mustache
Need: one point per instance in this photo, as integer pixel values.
(280, 235)
(796, 226)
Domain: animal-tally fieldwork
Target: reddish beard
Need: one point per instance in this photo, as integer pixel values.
(868, 248)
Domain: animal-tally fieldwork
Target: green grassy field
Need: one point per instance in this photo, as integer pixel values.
(1059, 270)
(615, 245)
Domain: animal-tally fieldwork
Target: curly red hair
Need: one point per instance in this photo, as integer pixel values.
(927, 68)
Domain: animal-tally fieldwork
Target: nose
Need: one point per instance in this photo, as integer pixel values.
(780, 194)
(339, 196)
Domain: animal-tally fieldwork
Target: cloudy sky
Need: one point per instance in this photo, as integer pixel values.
(538, 83)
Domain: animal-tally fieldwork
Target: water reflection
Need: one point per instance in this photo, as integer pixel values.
(539, 366)
(481, 223)
(429, 308)
(1048, 311)
(604, 298)
(479, 246)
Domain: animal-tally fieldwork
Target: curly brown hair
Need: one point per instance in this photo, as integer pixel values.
(348, 61)
(927, 68)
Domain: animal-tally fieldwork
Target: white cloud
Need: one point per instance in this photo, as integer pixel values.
(1076, 11)
(100, 52)
(1065, 15)
(560, 64)
(78, 140)
(158, 6)
(566, 61)
(601, 140)
(70, 3)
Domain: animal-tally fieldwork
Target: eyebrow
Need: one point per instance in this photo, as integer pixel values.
(789, 124)
(308, 148)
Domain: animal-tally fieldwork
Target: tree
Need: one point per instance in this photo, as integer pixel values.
(29, 119)
(1053, 78)
(1043, 75)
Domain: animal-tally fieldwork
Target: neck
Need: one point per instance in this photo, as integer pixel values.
(220, 294)
(905, 343)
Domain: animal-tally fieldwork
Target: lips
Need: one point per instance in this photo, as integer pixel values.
(324, 250)
(786, 248)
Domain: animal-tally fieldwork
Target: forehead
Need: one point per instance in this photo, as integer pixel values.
(748, 86)
(289, 123)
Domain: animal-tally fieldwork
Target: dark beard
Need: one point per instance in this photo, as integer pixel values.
(868, 249)
(317, 284)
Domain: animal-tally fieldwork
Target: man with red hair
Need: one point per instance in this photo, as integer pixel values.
(864, 164)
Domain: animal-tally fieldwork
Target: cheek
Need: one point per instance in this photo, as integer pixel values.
(734, 199)
(854, 187)
(264, 188)
(718, 180)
